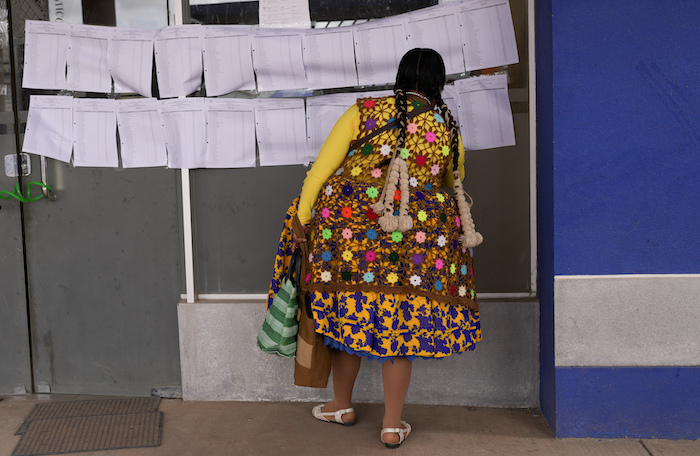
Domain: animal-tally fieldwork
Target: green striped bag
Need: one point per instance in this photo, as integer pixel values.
(278, 334)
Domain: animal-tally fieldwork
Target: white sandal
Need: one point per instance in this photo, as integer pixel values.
(403, 433)
(337, 415)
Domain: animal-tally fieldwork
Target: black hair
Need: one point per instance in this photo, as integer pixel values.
(423, 70)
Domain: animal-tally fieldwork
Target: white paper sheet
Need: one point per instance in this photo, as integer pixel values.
(379, 46)
(451, 97)
(88, 70)
(484, 112)
(45, 55)
(228, 60)
(437, 28)
(95, 132)
(141, 133)
(284, 13)
(488, 36)
(185, 132)
(131, 60)
(230, 133)
(322, 113)
(278, 60)
(281, 132)
(49, 130)
(179, 60)
(329, 58)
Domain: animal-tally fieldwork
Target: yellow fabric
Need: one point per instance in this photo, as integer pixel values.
(331, 156)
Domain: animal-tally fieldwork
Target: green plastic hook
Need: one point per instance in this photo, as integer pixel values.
(17, 194)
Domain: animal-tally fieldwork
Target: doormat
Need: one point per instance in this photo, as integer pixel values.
(94, 425)
(90, 433)
(96, 407)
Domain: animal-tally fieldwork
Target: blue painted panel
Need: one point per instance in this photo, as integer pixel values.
(626, 135)
(635, 402)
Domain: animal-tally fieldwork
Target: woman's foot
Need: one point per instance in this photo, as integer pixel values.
(393, 436)
(330, 412)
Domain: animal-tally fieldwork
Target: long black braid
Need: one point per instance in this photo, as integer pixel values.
(453, 128)
(401, 118)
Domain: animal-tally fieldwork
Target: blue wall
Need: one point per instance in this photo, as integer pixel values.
(618, 176)
(626, 113)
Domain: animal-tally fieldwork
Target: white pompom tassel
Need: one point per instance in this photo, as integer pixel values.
(469, 237)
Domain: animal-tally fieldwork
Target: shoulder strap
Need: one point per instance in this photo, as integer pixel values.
(389, 126)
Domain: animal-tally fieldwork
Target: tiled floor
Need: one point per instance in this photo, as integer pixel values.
(246, 428)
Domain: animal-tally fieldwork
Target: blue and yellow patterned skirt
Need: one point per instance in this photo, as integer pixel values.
(395, 318)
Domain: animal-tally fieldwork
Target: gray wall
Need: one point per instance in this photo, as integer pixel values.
(220, 361)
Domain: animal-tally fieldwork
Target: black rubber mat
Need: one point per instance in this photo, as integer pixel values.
(71, 409)
(90, 433)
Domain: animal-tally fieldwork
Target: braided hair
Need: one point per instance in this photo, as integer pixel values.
(423, 70)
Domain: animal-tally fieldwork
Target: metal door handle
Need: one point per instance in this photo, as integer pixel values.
(49, 195)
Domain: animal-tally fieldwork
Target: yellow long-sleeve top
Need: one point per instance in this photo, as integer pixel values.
(333, 153)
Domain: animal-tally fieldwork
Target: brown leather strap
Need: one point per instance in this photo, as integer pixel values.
(389, 126)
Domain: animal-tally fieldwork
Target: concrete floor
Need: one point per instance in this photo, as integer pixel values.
(247, 428)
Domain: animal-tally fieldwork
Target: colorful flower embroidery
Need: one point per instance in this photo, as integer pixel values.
(347, 190)
(453, 268)
(368, 104)
(443, 217)
(339, 171)
(393, 257)
(435, 170)
(371, 214)
(420, 237)
(430, 137)
(420, 195)
(462, 291)
(420, 160)
(392, 278)
(346, 212)
(372, 192)
(308, 277)
(376, 173)
(472, 293)
(438, 118)
(405, 153)
(397, 195)
(385, 149)
(417, 258)
(397, 236)
(370, 255)
(439, 263)
(356, 171)
(311, 257)
(326, 276)
(440, 197)
(463, 270)
(445, 151)
(352, 152)
(458, 222)
(347, 255)
(325, 212)
(326, 233)
(438, 285)
(412, 127)
(346, 275)
(416, 104)
(415, 280)
(422, 216)
(347, 233)
(368, 277)
(428, 186)
(413, 181)
(367, 149)
(326, 255)
(370, 124)
(329, 190)
(371, 234)
(442, 240)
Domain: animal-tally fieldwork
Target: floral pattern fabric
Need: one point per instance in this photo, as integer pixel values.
(383, 294)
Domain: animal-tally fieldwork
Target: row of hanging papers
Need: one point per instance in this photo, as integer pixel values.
(469, 34)
(203, 132)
